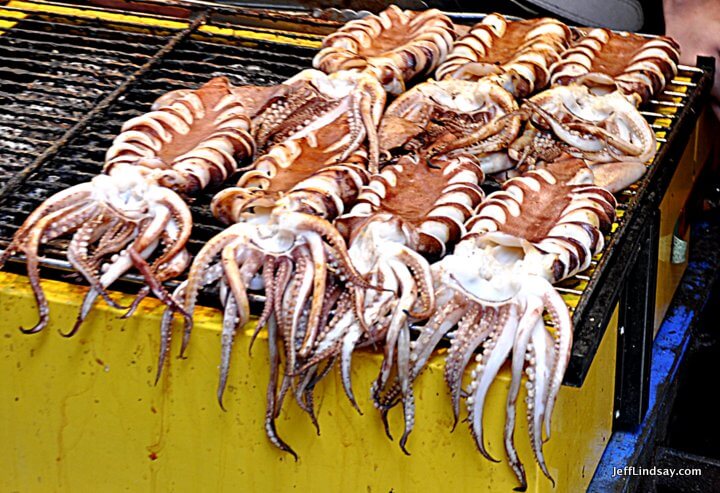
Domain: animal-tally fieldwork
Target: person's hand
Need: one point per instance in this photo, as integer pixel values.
(695, 24)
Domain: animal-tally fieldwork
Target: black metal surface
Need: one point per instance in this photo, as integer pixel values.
(636, 329)
(694, 305)
(187, 60)
(598, 300)
(52, 74)
(13, 185)
(136, 64)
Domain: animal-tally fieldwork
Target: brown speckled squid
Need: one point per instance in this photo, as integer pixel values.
(394, 46)
(411, 210)
(603, 60)
(440, 117)
(133, 210)
(544, 226)
(516, 55)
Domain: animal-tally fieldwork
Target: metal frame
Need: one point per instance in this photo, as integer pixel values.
(637, 446)
(613, 272)
(635, 329)
(603, 292)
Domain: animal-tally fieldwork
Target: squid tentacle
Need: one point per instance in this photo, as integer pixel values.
(497, 285)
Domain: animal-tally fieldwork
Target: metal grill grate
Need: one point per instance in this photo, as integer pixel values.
(70, 79)
(663, 114)
(203, 54)
(53, 73)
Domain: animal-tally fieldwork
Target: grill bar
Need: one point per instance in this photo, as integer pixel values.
(70, 28)
(81, 9)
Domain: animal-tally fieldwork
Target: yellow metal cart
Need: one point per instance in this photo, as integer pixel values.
(83, 414)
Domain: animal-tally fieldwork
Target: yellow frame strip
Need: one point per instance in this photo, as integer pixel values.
(92, 14)
(272, 35)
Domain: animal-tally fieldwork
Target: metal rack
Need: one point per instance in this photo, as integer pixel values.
(71, 79)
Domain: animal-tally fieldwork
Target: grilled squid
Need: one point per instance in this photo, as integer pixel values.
(599, 128)
(411, 211)
(604, 60)
(312, 100)
(132, 214)
(282, 242)
(494, 289)
(395, 46)
(441, 117)
(517, 55)
(287, 251)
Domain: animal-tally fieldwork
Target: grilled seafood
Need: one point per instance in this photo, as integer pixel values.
(312, 100)
(604, 60)
(281, 237)
(342, 248)
(439, 117)
(133, 211)
(494, 288)
(597, 128)
(395, 46)
(287, 250)
(390, 231)
(516, 55)
(293, 179)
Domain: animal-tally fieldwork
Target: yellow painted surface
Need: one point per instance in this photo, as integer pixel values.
(669, 275)
(95, 14)
(83, 415)
(272, 35)
(6, 22)
(265, 34)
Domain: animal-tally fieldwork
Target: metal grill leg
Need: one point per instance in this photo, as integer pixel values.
(635, 325)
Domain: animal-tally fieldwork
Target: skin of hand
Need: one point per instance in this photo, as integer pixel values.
(695, 24)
